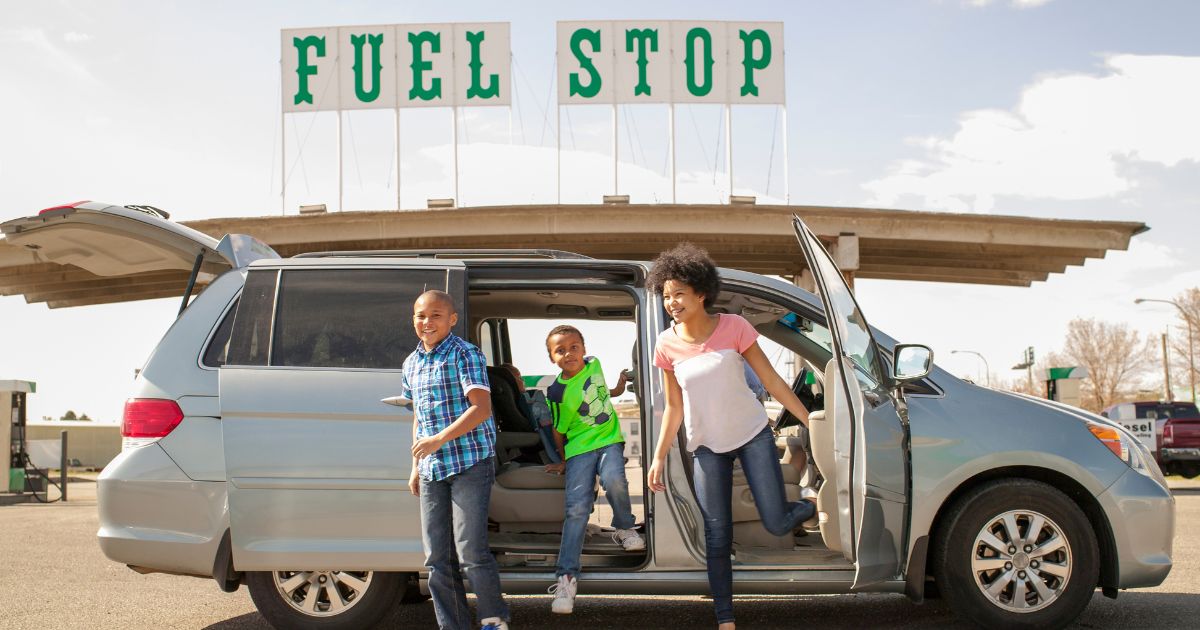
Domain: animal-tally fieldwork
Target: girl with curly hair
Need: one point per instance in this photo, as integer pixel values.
(703, 358)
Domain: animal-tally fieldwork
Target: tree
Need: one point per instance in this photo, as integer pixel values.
(1114, 357)
(70, 415)
(1181, 363)
(84, 417)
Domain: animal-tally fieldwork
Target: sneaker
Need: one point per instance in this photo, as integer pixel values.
(494, 623)
(593, 529)
(564, 595)
(629, 540)
(807, 493)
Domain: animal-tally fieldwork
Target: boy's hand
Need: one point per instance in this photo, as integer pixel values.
(414, 484)
(556, 469)
(655, 476)
(426, 446)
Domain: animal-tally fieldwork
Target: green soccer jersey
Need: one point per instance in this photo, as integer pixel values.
(583, 411)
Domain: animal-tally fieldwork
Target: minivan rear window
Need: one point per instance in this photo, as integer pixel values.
(250, 342)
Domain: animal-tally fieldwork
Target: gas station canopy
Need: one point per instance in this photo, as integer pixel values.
(866, 242)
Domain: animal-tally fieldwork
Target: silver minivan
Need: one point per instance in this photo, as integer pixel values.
(258, 449)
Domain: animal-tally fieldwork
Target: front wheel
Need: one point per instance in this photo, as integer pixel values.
(324, 600)
(1016, 553)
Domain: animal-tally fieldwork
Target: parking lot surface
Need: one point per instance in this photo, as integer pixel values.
(52, 575)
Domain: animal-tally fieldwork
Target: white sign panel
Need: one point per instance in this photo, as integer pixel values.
(404, 65)
(310, 69)
(676, 62)
(370, 79)
(1143, 429)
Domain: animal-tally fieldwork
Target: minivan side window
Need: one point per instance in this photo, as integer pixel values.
(218, 346)
(250, 341)
(348, 318)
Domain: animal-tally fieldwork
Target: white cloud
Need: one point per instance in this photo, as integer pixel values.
(1068, 138)
(47, 51)
(76, 38)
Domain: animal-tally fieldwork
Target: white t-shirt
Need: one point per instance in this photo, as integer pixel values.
(719, 409)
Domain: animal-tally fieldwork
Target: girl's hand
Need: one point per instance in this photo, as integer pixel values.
(657, 470)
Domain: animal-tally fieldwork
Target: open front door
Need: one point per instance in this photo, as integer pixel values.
(317, 465)
(870, 438)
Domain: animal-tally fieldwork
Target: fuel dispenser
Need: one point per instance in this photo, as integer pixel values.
(1063, 384)
(13, 397)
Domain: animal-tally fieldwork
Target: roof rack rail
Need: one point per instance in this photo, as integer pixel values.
(448, 253)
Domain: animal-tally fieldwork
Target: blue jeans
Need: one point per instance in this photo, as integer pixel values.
(713, 475)
(609, 463)
(454, 514)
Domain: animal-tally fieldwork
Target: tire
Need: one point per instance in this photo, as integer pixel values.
(283, 598)
(965, 563)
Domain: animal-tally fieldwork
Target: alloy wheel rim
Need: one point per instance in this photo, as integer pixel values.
(322, 593)
(1021, 561)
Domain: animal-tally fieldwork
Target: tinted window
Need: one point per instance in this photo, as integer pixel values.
(852, 329)
(1167, 410)
(349, 318)
(218, 346)
(251, 338)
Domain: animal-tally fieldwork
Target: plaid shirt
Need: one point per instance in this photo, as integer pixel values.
(437, 381)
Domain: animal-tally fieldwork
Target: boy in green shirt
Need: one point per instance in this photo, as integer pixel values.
(583, 413)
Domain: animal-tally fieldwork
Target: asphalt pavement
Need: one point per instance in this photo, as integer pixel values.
(53, 575)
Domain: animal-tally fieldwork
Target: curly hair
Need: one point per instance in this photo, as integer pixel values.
(690, 265)
(564, 329)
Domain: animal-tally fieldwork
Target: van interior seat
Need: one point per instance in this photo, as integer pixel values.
(821, 432)
(747, 524)
(526, 498)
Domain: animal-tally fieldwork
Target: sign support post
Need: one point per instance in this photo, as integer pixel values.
(399, 204)
(282, 148)
(787, 190)
(341, 202)
(615, 148)
(671, 145)
(729, 146)
(558, 152)
(454, 137)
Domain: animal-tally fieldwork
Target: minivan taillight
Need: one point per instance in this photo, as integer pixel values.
(147, 420)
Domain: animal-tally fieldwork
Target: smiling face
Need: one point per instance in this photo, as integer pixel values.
(567, 352)
(682, 302)
(433, 317)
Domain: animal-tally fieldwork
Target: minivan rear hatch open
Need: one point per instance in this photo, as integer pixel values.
(94, 253)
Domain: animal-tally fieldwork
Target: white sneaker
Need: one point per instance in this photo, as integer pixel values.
(629, 540)
(494, 623)
(564, 595)
(593, 529)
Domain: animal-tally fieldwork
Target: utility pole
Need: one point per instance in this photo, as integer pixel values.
(1191, 350)
(1027, 364)
(1166, 369)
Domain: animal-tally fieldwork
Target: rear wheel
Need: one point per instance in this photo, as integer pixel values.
(324, 600)
(1017, 553)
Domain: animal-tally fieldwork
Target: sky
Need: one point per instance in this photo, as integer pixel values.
(1044, 108)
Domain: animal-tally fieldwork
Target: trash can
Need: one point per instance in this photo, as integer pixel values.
(16, 479)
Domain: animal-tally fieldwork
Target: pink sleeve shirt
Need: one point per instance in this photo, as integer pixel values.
(719, 410)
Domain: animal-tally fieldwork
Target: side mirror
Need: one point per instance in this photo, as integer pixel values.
(911, 361)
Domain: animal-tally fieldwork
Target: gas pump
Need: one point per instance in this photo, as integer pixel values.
(13, 397)
(1063, 384)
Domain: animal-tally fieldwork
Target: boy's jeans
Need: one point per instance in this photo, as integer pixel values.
(713, 476)
(609, 463)
(454, 524)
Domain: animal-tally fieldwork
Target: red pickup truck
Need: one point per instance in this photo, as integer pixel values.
(1176, 427)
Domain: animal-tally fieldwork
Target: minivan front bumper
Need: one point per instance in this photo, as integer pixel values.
(153, 517)
(1141, 513)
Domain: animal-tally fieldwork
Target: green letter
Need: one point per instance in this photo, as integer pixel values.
(689, 61)
(475, 90)
(419, 66)
(303, 68)
(358, 41)
(585, 63)
(751, 63)
(640, 37)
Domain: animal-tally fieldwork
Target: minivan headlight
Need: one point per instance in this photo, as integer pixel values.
(1128, 449)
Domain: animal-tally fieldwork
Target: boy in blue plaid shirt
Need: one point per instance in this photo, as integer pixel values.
(454, 439)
